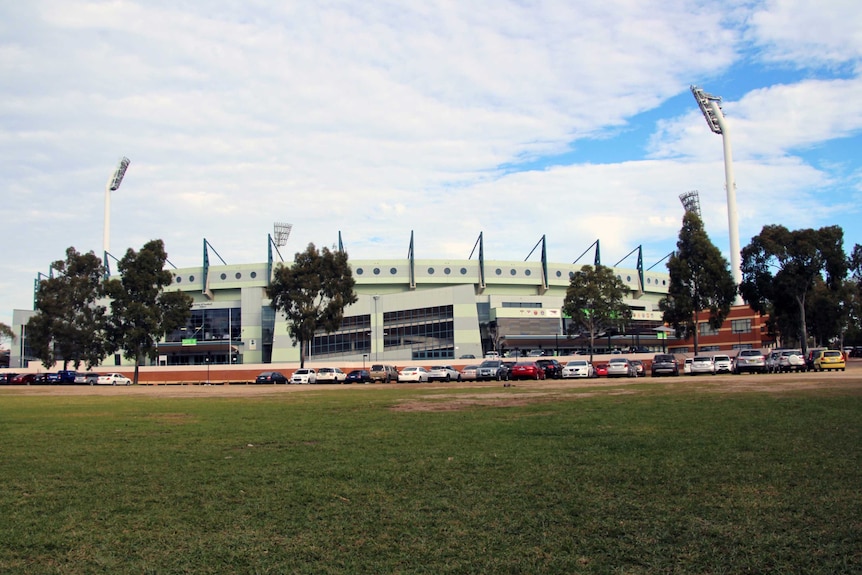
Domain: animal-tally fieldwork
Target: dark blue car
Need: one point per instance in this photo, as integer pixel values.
(358, 376)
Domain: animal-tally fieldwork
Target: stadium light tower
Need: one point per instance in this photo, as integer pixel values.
(711, 108)
(113, 184)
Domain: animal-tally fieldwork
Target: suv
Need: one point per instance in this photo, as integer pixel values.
(791, 360)
(384, 373)
(552, 367)
(492, 369)
(750, 360)
(664, 364)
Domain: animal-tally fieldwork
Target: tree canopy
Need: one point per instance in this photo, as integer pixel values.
(700, 279)
(141, 311)
(69, 324)
(312, 293)
(782, 268)
(594, 301)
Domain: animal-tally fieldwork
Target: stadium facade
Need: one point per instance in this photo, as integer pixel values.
(407, 309)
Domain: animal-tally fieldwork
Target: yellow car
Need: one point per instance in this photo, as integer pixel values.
(829, 359)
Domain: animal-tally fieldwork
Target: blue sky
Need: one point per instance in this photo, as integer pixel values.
(571, 120)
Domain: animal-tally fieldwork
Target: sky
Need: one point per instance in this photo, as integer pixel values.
(441, 118)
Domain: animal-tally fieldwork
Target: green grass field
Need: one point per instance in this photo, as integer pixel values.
(646, 478)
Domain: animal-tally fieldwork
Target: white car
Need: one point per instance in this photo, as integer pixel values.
(686, 365)
(413, 374)
(304, 375)
(723, 364)
(443, 373)
(578, 368)
(702, 364)
(113, 379)
(330, 375)
(791, 360)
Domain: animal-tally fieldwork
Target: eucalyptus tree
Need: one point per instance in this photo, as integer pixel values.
(595, 303)
(312, 293)
(69, 323)
(141, 310)
(780, 269)
(700, 280)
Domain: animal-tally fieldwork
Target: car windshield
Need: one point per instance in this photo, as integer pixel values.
(618, 360)
(702, 359)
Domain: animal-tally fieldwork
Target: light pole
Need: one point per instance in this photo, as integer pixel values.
(710, 106)
(113, 184)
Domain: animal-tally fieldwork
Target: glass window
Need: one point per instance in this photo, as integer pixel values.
(706, 329)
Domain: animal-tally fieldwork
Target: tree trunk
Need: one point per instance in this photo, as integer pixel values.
(803, 326)
(301, 353)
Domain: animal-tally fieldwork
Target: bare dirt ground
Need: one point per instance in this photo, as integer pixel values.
(440, 396)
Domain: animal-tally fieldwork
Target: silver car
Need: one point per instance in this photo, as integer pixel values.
(621, 367)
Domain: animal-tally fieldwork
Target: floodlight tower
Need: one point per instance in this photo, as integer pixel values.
(281, 233)
(691, 201)
(113, 184)
(711, 108)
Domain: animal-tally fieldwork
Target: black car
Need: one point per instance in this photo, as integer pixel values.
(271, 377)
(358, 376)
(552, 367)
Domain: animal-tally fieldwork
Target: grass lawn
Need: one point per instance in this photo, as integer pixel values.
(656, 477)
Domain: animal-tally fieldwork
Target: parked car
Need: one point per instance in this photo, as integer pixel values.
(791, 360)
(468, 373)
(829, 359)
(113, 379)
(686, 365)
(358, 376)
(6, 378)
(621, 367)
(330, 375)
(87, 378)
(723, 364)
(467, 356)
(271, 377)
(601, 369)
(640, 371)
(23, 379)
(304, 375)
(751, 360)
(578, 368)
(66, 376)
(772, 361)
(702, 364)
(536, 353)
(42, 379)
(492, 369)
(809, 359)
(443, 373)
(413, 374)
(553, 368)
(384, 373)
(527, 370)
(664, 364)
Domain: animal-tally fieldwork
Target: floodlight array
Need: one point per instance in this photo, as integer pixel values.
(691, 201)
(710, 111)
(117, 178)
(281, 231)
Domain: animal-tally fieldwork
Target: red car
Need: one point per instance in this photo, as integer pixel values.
(23, 379)
(527, 370)
(601, 370)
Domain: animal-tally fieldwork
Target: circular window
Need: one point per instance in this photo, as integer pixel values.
(447, 271)
(571, 275)
(664, 282)
(393, 271)
(526, 272)
(238, 275)
(430, 271)
(179, 279)
(359, 271)
(253, 275)
(559, 274)
(628, 278)
(649, 280)
(463, 271)
(191, 278)
(224, 276)
(377, 271)
(498, 271)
